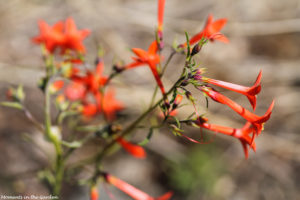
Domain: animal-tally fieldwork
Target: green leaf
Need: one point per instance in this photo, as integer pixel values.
(12, 105)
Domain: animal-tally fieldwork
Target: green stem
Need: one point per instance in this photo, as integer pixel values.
(130, 128)
(167, 62)
(59, 163)
(161, 74)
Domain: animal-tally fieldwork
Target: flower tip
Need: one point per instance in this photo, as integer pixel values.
(135, 150)
(166, 196)
(94, 193)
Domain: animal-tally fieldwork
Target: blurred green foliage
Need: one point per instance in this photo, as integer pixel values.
(201, 169)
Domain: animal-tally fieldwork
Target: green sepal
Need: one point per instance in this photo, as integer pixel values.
(147, 139)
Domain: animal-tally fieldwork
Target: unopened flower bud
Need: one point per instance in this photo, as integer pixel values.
(117, 68)
(177, 101)
(184, 82)
(188, 95)
(196, 49)
(10, 94)
(56, 86)
(202, 120)
(160, 40)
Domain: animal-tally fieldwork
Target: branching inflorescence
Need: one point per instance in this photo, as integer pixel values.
(80, 92)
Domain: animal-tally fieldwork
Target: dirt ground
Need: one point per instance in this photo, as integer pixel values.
(264, 34)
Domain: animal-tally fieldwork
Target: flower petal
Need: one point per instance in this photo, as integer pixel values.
(135, 150)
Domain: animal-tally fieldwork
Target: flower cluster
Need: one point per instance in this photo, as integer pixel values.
(61, 35)
(83, 93)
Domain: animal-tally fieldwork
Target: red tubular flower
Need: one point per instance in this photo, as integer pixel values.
(74, 37)
(151, 59)
(246, 114)
(94, 193)
(243, 134)
(135, 150)
(109, 105)
(211, 31)
(249, 92)
(52, 37)
(132, 191)
(95, 80)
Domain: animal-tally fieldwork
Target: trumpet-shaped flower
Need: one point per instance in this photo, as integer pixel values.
(74, 37)
(94, 79)
(51, 37)
(151, 59)
(249, 92)
(65, 36)
(109, 105)
(132, 191)
(210, 31)
(256, 120)
(243, 134)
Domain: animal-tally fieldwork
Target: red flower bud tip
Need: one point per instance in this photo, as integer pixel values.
(177, 101)
(132, 191)
(134, 150)
(211, 31)
(160, 16)
(56, 86)
(198, 74)
(166, 196)
(60, 98)
(256, 121)
(9, 94)
(249, 92)
(75, 91)
(94, 193)
(173, 113)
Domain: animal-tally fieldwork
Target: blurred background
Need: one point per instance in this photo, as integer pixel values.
(264, 34)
